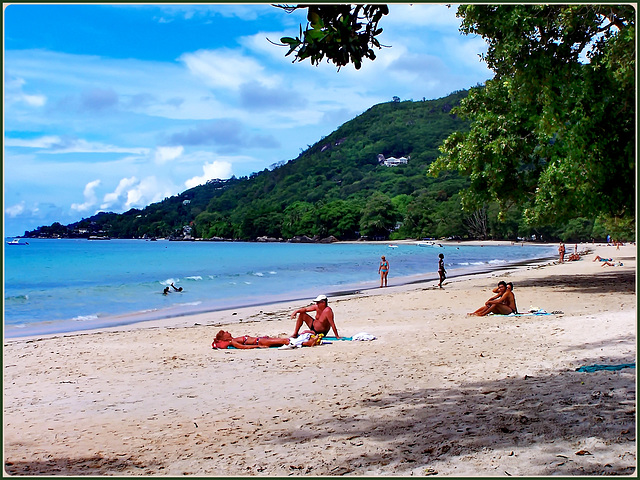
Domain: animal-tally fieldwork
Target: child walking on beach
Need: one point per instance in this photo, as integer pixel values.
(441, 271)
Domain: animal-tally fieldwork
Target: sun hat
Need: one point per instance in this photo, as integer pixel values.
(320, 298)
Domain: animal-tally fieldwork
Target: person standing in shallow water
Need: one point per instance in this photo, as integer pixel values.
(383, 270)
(441, 271)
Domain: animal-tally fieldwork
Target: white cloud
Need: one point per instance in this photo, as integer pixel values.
(47, 141)
(148, 190)
(216, 169)
(166, 154)
(225, 68)
(432, 16)
(134, 193)
(83, 146)
(90, 198)
(57, 144)
(34, 100)
(15, 210)
(120, 193)
(14, 93)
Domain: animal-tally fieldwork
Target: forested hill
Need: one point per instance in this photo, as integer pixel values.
(336, 187)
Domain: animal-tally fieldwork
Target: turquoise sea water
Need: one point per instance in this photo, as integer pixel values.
(54, 286)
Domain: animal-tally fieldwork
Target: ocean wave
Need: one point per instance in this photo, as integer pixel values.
(496, 262)
(193, 277)
(273, 273)
(189, 304)
(168, 281)
(85, 318)
(258, 274)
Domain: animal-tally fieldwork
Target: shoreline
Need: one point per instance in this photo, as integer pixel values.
(436, 392)
(153, 319)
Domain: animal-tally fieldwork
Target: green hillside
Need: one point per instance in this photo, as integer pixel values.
(335, 188)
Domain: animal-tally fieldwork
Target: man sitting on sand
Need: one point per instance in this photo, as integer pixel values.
(323, 321)
(225, 340)
(503, 303)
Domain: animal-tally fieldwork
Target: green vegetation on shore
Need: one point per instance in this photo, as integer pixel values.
(337, 187)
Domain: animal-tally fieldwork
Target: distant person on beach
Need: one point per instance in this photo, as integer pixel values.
(323, 321)
(573, 257)
(441, 271)
(504, 302)
(561, 251)
(179, 289)
(383, 270)
(225, 340)
(611, 264)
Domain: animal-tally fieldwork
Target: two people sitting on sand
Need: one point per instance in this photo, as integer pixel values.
(225, 340)
(321, 324)
(504, 302)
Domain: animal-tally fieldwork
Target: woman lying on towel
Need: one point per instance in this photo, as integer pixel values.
(225, 340)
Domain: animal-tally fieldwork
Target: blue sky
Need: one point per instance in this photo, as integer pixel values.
(110, 107)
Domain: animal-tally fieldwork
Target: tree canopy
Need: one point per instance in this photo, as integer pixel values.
(554, 130)
(342, 33)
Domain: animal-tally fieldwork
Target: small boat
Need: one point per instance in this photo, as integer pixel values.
(16, 241)
(393, 246)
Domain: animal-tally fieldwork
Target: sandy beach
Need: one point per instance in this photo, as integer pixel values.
(437, 393)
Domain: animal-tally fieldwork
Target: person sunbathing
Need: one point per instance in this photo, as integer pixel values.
(611, 264)
(600, 259)
(225, 340)
(503, 303)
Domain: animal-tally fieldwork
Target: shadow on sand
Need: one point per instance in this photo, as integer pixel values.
(425, 426)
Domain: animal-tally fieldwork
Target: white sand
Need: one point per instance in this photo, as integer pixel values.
(438, 391)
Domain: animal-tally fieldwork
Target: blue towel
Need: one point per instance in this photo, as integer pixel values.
(595, 368)
(348, 339)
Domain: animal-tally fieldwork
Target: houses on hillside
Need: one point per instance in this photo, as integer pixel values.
(393, 161)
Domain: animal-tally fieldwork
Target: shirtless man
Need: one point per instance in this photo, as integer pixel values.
(323, 321)
(503, 303)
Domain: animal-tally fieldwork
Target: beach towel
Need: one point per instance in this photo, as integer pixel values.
(362, 336)
(532, 311)
(299, 340)
(528, 314)
(596, 367)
